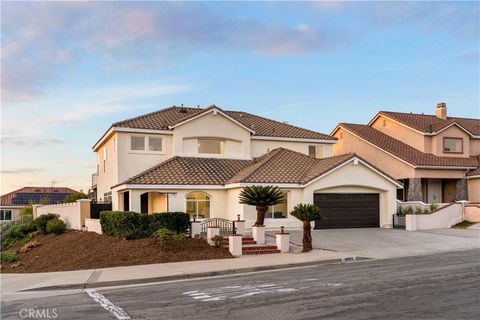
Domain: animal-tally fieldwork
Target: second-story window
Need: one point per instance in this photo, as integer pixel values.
(209, 145)
(137, 143)
(154, 144)
(146, 143)
(452, 145)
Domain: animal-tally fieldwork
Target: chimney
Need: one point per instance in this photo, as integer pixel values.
(441, 111)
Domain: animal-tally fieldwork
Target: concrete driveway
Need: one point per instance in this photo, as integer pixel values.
(389, 243)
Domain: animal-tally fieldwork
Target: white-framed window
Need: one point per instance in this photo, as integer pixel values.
(155, 144)
(149, 144)
(107, 196)
(5, 215)
(137, 143)
(198, 205)
(211, 145)
(315, 151)
(278, 211)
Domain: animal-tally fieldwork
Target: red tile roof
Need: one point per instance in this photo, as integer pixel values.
(163, 119)
(278, 166)
(6, 199)
(475, 172)
(404, 151)
(431, 124)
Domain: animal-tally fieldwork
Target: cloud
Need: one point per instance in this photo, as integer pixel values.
(30, 142)
(39, 39)
(21, 171)
(146, 34)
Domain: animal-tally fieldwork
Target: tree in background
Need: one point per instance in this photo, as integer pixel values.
(74, 196)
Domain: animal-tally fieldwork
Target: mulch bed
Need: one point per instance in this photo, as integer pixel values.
(76, 250)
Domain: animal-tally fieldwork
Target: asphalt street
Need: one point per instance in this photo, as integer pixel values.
(437, 286)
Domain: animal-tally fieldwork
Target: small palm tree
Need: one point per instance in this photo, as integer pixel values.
(306, 213)
(261, 197)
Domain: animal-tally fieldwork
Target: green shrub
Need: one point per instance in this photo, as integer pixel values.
(74, 196)
(164, 234)
(8, 256)
(17, 233)
(125, 224)
(433, 206)
(134, 225)
(408, 210)
(56, 226)
(178, 222)
(218, 240)
(41, 222)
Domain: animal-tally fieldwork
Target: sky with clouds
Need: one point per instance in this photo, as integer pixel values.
(70, 69)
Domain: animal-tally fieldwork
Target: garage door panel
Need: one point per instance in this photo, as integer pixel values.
(348, 210)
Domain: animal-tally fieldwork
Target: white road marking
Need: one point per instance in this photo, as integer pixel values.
(238, 292)
(118, 312)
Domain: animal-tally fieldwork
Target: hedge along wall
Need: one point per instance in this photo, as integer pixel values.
(134, 225)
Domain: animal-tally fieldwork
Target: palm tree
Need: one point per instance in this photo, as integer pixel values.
(261, 197)
(306, 213)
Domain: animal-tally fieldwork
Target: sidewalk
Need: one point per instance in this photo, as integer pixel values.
(162, 272)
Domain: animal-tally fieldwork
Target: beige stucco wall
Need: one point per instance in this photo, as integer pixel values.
(472, 213)
(402, 133)
(237, 144)
(452, 132)
(474, 147)
(473, 186)
(260, 147)
(350, 143)
(385, 162)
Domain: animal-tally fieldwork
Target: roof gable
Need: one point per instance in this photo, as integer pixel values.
(403, 151)
(212, 109)
(430, 124)
(164, 119)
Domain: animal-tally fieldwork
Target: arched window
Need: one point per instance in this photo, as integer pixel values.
(198, 205)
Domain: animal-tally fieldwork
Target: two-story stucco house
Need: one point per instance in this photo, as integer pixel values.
(197, 160)
(437, 157)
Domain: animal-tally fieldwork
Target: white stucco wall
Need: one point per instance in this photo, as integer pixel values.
(358, 179)
(444, 217)
(73, 214)
(237, 138)
(108, 170)
(260, 147)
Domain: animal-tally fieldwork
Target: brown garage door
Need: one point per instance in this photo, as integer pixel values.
(348, 210)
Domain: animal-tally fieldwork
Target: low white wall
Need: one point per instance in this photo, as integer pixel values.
(93, 225)
(442, 218)
(73, 214)
(418, 204)
(472, 213)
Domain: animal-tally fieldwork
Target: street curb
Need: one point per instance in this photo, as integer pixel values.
(193, 276)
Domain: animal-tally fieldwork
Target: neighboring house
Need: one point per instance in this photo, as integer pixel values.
(436, 157)
(198, 160)
(11, 203)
